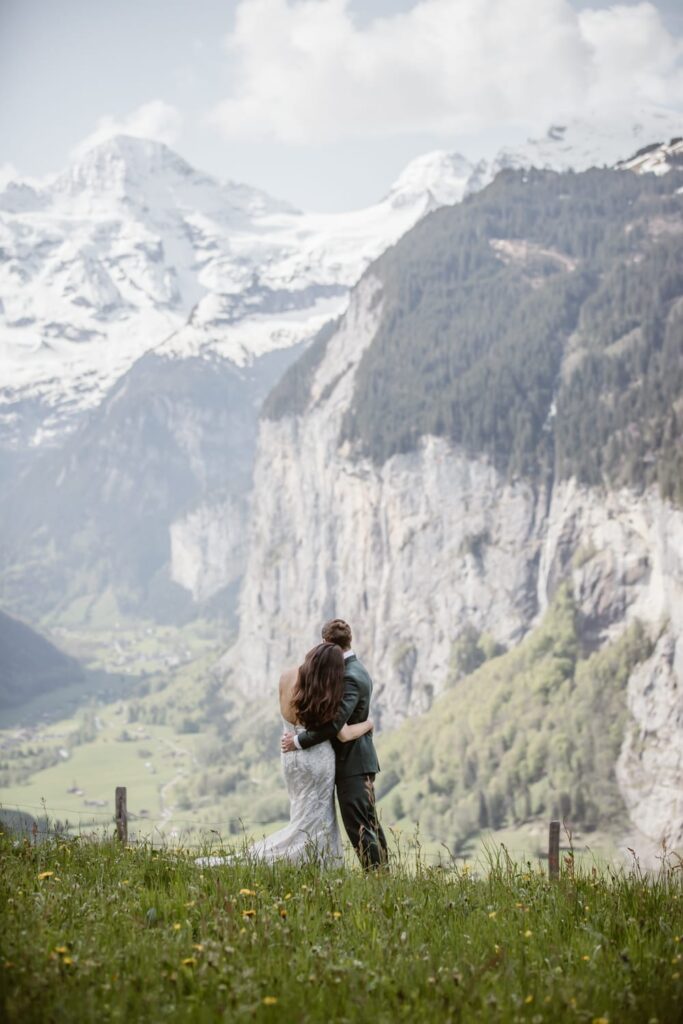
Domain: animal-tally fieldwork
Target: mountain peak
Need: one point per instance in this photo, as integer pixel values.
(119, 162)
(443, 177)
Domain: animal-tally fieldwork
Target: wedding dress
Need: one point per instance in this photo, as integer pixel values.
(312, 832)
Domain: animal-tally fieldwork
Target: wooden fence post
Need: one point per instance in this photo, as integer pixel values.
(554, 851)
(121, 814)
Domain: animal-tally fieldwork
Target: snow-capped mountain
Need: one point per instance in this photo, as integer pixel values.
(131, 249)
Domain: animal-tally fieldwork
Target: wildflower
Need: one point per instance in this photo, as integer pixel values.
(249, 913)
(177, 926)
(125, 882)
(584, 957)
(529, 999)
(247, 892)
(61, 949)
(600, 1020)
(190, 903)
(496, 948)
(283, 913)
(198, 946)
(528, 933)
(492, 915)
(189, 961)
(67, 960)
(269, 1000)
(288, 896)
(45, 874)
(336, 914)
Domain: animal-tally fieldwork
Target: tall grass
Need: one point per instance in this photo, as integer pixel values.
(94, 931)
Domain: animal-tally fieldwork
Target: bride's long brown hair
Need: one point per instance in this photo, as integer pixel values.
(319, 685)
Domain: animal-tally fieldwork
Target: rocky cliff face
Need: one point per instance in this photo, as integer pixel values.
(416, 550)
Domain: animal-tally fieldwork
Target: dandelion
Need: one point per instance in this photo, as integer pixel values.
(528, 933)
(198, 946)
(249, 913)
(45, 874)
(283, 913)
(584, 957)
(177, 926)
(189, 961)
(336, 914)
(529, 999)
(269, 1000)
(492, 915)
(67, 960)
(288, 896)
(61, 949)
(247, 892)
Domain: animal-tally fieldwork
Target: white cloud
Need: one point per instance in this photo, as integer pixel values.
(154, 120)
(306, 72)
(8, 172)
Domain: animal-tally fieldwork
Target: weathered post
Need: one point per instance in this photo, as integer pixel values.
(121, 814)
(554, 851)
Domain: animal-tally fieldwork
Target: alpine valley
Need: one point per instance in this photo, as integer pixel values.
(454, 418)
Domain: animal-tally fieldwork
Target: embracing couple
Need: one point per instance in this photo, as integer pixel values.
(327, 740)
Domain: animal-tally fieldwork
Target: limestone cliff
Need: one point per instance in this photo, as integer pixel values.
(431, 542)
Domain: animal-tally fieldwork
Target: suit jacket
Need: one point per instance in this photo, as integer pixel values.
(357, 757)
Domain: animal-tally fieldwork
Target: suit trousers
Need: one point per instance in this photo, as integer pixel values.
(356, 796)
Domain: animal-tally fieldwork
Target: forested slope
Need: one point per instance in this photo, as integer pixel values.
(539, 322)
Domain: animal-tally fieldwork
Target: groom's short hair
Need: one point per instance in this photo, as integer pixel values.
(336, 631)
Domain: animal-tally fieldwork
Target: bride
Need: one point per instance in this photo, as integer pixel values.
(309, 698)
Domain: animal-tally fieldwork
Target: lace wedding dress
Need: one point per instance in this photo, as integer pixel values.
(312, 833)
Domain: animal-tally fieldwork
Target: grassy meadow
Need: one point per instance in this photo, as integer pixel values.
(95, 931)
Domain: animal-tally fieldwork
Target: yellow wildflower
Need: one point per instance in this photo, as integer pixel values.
(529, 999)
(190, 903)
(283, 913)
(528, 933)
(46, 874)
(177, 926)
(61, 949)
(198, 946)
(189, 961)
(288, 896)
(67, 960)
(336, 914)
(248, 913)
(600, 1020)
(584, 957)
(269, 1000)
(247, 892)
(492, 915)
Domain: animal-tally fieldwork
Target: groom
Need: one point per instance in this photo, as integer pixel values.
(357, 762)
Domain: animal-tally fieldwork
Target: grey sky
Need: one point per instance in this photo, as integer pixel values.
(65, 64)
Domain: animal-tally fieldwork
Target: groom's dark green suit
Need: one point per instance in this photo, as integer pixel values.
(357, 765)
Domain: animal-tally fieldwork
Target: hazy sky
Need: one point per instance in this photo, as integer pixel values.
(321, 102)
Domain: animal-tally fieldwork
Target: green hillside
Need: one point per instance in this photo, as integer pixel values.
(540, 323)
(30, 664)
(533, 733)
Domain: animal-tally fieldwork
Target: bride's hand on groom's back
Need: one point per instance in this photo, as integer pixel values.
(287, 744)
